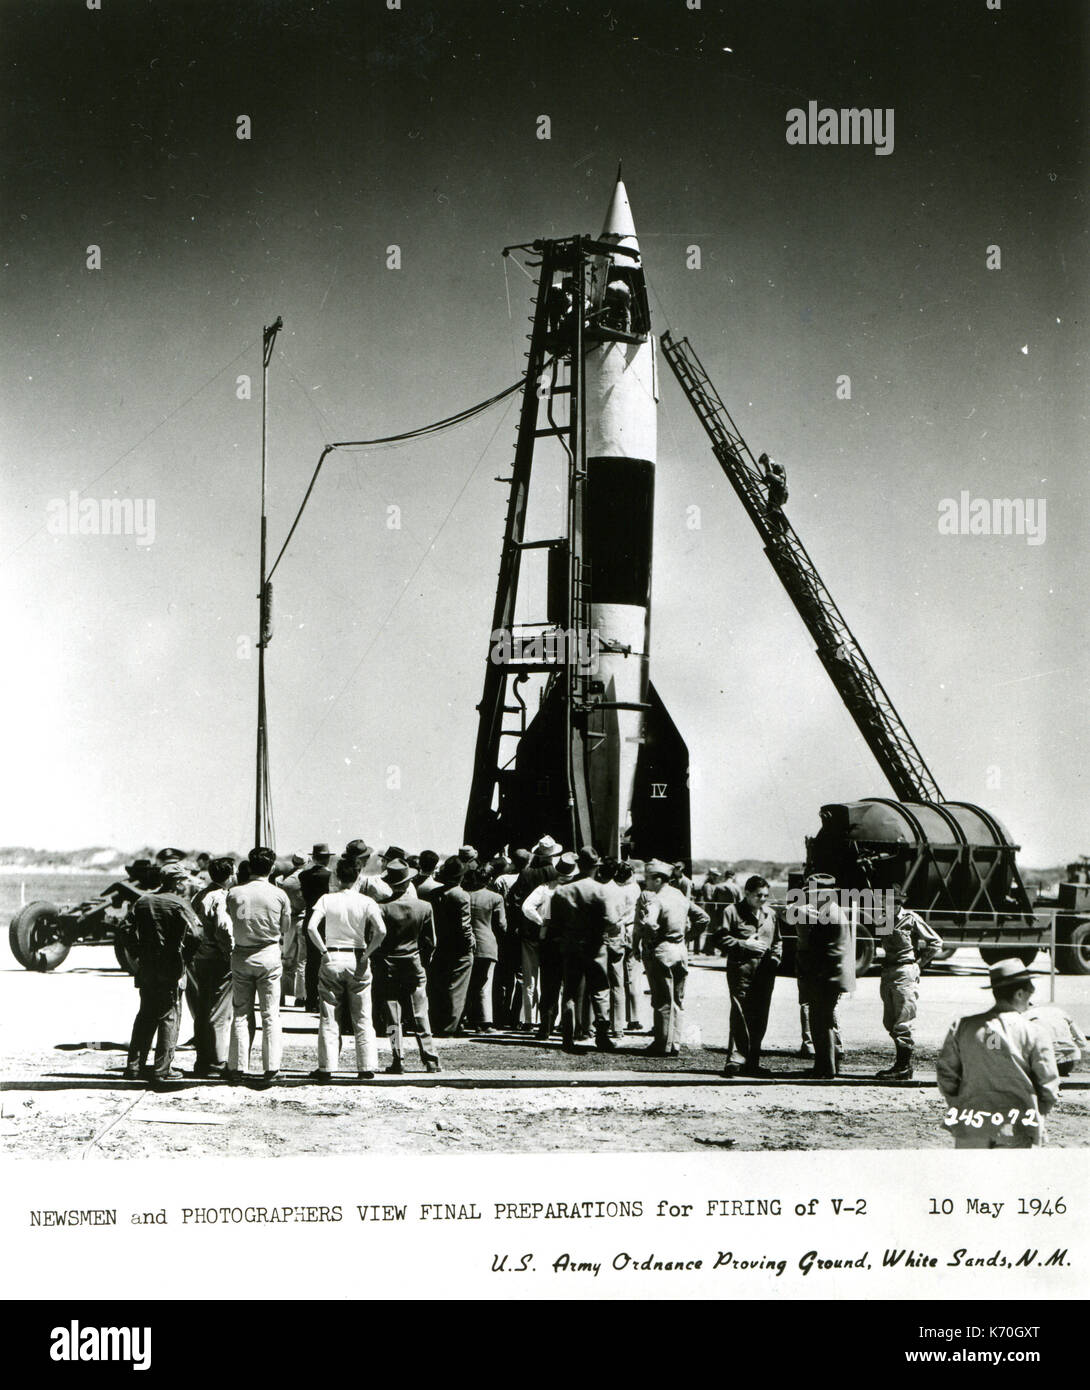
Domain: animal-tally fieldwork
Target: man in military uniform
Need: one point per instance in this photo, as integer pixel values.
(997, 1070)
(908, 944)
(751, 936)
(662, 919)
(825, 964)
(166, 936)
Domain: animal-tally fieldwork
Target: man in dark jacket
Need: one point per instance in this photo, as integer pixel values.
(489, 927)
(452, 963)
(166, 936)
(314, 882)
(751, 936)
(581, 917)
(825, 962)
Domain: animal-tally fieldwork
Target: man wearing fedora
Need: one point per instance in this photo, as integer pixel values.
(452, 961)
(997, 1070)
(581, 915)
(410, 925)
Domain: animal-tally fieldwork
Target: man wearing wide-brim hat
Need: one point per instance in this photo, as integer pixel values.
(997, 1070)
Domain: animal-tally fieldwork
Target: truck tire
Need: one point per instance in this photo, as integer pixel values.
(864, 950)
(1073, 953)
(992, 955)
(34, 937)
(124, 957)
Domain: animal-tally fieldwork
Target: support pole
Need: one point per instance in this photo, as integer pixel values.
(262, 801)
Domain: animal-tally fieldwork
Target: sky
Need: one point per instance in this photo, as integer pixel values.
(129, 701)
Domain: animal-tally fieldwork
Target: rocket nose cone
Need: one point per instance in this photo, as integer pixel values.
(619, 226)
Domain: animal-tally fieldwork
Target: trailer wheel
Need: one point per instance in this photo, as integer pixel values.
(992, 955)
(1073, 956)
(35, 937)
(125, 958)
(864, 950)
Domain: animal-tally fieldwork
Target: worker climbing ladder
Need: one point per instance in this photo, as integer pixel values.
(839, 652)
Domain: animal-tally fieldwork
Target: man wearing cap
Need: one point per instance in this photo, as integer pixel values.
(825, 966)
(581, 916)
(658, 935)
(997, 1070)
(452, 961)
(314, 883)
(908, 945)
(260, 915)
(166, 934)
(751, 936)
(410, 925)
(353, 930)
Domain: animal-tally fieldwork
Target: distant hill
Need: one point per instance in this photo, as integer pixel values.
(95, 858)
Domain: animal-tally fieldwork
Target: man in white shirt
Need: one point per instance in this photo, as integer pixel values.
(354, 929)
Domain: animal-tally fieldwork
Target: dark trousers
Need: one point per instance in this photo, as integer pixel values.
(209, 997)
(450, 986)
(586, 978)
(506, 990)
(751, 982)
(380, 1015)
(313, 965)
(631, 987)
(823, 1000)
(157, 1018)
(552, 982)
(406, 988)
(615, 964)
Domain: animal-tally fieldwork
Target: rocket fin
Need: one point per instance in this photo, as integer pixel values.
(660, 800)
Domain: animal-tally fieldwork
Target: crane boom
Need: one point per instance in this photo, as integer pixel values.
(843, 658)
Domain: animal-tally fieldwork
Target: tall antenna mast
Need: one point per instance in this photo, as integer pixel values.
(263, 819)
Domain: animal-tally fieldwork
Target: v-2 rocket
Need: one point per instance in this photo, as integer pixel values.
(600, 762)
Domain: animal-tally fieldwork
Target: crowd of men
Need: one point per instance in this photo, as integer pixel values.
(542, 942)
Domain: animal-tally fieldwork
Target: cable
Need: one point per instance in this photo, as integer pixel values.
(405, 587)
(423, 432)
